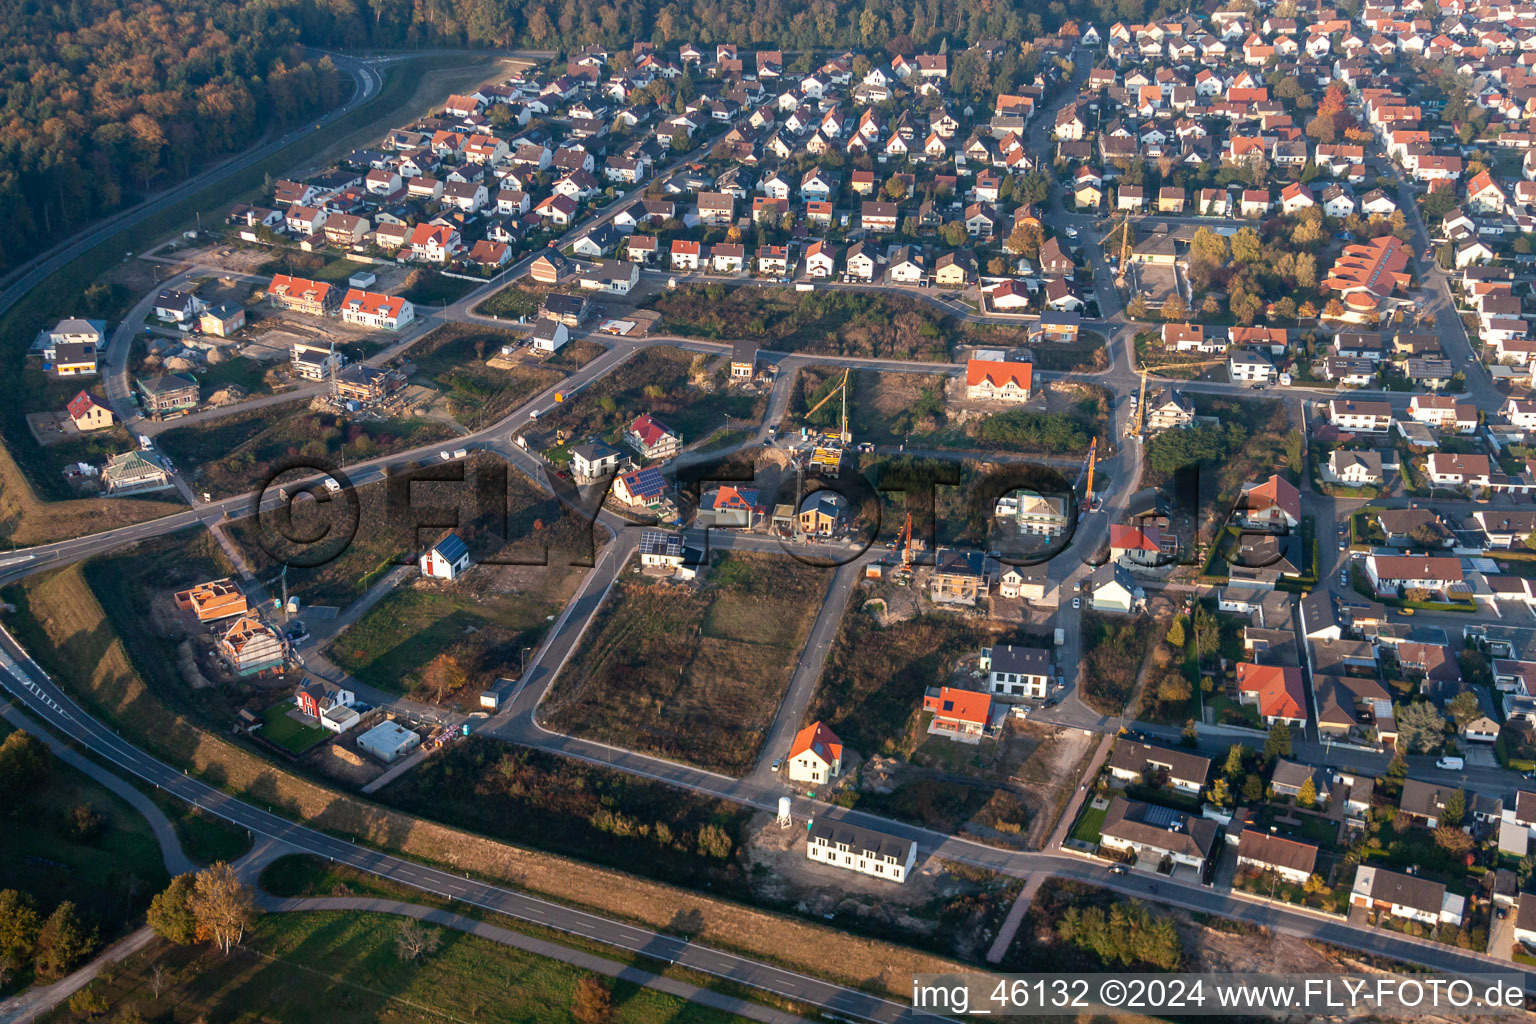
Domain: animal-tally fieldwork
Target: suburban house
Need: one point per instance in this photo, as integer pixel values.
(1017, 671)
(1274, 505)
(316, 298)
(1291, 859)
(212, 600)
(73, 359)
(651, 438)
(87, 414)
(132, 472)
(178, 305)
(743, 360)
(959, 577)
(1276, 690)
(169, 394)
(837, 843)
(328, 703)
(1112, 588)
(594, 460)
(1360, 416)
(549, 335)
(446, 559)
(662, 550)
(962, 715)
(1406, 896)
(1133, 761)
(376, 310)
(1032, 513)
(997, 381)
(641, 488)
(816, 755)
(1438, 574)
(730, 506)
(1159, 833)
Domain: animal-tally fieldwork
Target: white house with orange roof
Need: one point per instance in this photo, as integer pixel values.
(998, 381)
(816, 755)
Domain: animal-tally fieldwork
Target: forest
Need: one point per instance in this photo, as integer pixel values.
(104, 101)
(791, 25)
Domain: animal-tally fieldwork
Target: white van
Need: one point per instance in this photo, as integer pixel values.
(1451, 764)
(331, 485)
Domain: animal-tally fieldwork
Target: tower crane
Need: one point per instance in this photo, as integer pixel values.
(1125, 249)
(904, 542)
(1141, 402)
(842, 388)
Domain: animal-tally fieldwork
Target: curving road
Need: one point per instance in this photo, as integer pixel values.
(22, 279)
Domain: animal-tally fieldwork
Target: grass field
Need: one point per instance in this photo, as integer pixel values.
(110, 876)
(581, 809)
(452, 359)
(279, 727)
(430, 288)
(203, 837)
(692, 674)
(239, 453)
(1088, 825)
(485, 633)
(318, 968)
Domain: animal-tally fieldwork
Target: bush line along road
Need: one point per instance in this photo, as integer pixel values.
(516, 722)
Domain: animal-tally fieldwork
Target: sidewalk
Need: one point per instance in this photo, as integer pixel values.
(539, 947)
(1020, 906)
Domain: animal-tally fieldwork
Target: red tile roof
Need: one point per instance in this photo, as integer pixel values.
(959, 705)
(1279, 689)
(818, 738)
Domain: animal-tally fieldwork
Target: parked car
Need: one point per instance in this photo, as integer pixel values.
(1077, 603)
(778, 763)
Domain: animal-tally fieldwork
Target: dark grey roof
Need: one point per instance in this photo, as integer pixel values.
(865, 841)
(1133, 756)
(1026, 660)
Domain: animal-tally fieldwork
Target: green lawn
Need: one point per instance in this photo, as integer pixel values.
(280, 728)
(319, 968)
(1089, 824)
(389, 646)
(203, 837)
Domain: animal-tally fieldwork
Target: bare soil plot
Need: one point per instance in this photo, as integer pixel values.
(503, 516)
(242, 451)
(453, 360)
(685, 390)
(694, 673)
